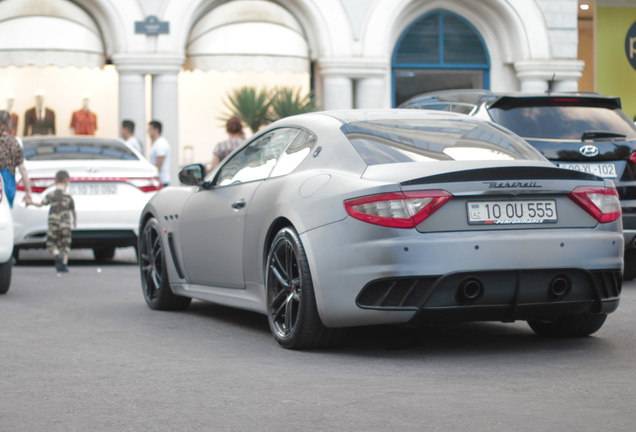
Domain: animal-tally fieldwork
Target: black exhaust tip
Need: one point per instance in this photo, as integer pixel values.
(559, 288)
(469, 292)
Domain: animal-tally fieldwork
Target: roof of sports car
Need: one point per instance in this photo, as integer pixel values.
(347, 116)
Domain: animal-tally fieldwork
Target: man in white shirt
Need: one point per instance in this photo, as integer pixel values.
(128, 134)
(159, 152)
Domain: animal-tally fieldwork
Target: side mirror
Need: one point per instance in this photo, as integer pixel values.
(192, 175)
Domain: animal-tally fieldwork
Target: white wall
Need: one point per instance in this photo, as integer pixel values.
(201, 96)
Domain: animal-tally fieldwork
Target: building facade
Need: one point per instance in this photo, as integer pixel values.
(175, 60)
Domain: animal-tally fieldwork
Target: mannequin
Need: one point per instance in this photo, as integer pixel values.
(83, 121)
(14, 116)
(39, 120)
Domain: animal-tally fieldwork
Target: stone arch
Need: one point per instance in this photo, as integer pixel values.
(318, 29)
(522, 24)
(109, 20)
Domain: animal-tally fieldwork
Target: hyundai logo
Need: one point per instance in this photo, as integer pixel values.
(588, 150)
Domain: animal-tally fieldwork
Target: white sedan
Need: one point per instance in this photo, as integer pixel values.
(6, 241)
(110, 183)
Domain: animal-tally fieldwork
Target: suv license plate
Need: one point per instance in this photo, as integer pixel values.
(511, 212)
(602, 170)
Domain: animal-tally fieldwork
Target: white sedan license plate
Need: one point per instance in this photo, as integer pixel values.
(605, 170)
(93, 189)
(511, 212)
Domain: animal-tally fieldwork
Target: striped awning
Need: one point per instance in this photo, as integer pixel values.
(248, 35)
(48, 32)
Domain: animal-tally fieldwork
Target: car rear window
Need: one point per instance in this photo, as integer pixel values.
(83, 150)
(430, 140)
(569, 122)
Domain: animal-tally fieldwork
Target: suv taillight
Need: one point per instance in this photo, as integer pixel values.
(397, 209)
(632, 157)
(602, 203)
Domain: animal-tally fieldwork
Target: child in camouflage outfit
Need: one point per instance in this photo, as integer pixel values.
(58, 236)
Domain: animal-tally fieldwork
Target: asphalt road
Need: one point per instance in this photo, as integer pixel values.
(82, 352)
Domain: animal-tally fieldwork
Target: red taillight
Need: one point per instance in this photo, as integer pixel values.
(38, 185)
(397, 209)
(144, 184)
(602, 203)
(632, 157)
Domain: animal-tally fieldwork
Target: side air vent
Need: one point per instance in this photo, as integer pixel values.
(174, 256)
(406, 293)
(609, 283)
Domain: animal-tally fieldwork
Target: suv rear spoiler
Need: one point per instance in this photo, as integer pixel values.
(509, 102)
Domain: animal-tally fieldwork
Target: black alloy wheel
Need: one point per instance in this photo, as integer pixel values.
(154, 275)
(629, 261)
(104, 253)
(291, 303)
(5, 276)
(569, 326)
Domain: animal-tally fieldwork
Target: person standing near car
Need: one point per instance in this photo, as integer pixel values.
(11, 156)
(236, 137)
(58, 236)
(159, 152)
(128, 134)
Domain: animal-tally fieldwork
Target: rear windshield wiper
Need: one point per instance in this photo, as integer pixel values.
(598, 134)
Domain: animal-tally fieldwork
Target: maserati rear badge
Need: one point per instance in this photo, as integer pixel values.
(588, 150)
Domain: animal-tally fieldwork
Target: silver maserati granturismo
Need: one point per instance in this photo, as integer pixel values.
(330, 220)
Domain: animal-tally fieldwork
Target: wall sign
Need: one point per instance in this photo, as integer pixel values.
(630, 45)
(152, 25)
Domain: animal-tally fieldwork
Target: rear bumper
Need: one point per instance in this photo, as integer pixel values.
(87, 239)
(497, 295)
(6, 234)
(357, 255)
(96, 227)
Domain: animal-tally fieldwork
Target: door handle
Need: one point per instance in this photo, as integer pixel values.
(239, 204)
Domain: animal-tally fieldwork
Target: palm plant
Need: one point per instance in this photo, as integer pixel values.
(288, 101)
(251, 105)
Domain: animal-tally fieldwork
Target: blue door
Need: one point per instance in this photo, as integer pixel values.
(439, 51)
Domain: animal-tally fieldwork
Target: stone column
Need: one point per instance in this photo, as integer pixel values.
(337, 92)
(370, 75)
(165, 96)
(535, 75)
(369, 93)
(165, 109)
(132, 102)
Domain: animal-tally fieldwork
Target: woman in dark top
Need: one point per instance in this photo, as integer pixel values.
(11, 156)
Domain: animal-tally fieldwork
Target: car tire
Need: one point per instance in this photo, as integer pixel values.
(154, 275)
(5, 276)
(104, 253)
(569, 326)
(291, 303)
(629, 268)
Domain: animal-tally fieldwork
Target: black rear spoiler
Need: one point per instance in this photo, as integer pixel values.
(504, 173)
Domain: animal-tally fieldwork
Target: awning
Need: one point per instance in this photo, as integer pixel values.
(48, 32)
(248, 35)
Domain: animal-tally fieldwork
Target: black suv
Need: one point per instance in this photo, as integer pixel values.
(585, 132)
